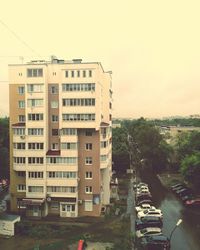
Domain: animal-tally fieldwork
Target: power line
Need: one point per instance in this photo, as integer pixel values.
(18, 38)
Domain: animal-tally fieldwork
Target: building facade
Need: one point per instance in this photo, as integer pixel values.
(60, 138)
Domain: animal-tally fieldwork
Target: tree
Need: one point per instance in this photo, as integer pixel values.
(4, 147)
(190, 168)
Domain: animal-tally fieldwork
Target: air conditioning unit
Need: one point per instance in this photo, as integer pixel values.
(22, 137)
(80, 201)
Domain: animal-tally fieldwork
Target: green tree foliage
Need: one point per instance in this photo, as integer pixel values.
(190, 168)
(4, 147)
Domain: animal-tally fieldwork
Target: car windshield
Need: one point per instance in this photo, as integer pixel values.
(143, 231)
(145, 211)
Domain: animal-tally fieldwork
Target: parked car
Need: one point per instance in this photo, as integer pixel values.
(148, 232)
(148, 221)
(154, 242)
(142, 189)
(187, 197)
(142, 192)
(183, 191)
(150, 212)
(193, 203)
(140, 202)
(143, 197)
(177, 185)
(178, 188)
(143, 207)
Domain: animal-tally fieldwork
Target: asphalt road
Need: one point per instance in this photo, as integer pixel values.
(187, 235)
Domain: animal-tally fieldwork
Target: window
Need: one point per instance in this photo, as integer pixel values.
(19, 160)
(78, 117)
(20, 146)
(35, 117)
(21, 104)
(54, 104)
(88, 146)
(54, 132)
(69, 131)
(21, 118)
(69, 145)
(88, 189)
(35, 131)
(104, 144)
(36, 146)
(90, 73)
(19, 131)
(61, 189)
(79, 102)
(54, 90)
(84, 73)
(35, 88)
(78, 73)
(34, 72)
(88, 205)
(72, 73)
(78, 87)
(21, 173)
(59, 174)
(103, 157)
(35, 189)
(54, 118)
(35, 160)
(66, 73)
(88, 160)
(35, 175)
(62, 160)
(88, 175)
(21, 90)
(21, 187)
(88, 133)
(54, 146)
(35, 103)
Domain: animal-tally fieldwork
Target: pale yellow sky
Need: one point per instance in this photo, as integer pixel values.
(152, 47)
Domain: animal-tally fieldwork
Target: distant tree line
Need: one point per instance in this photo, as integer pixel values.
(4, 147)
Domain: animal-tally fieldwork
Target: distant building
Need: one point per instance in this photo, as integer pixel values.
(60, 138)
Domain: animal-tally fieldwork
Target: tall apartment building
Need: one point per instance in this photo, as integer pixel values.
(60, 138)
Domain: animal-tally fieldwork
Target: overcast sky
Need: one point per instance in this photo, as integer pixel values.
(152, 47)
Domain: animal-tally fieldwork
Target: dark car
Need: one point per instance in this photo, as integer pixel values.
(154, 242)
(187, 197)
(183, 192)
(178, 188)
(148, 221)
(193, 203)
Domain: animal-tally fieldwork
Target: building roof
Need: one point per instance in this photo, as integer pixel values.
(8, 217)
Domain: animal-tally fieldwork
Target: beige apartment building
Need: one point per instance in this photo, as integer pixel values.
(60, 138)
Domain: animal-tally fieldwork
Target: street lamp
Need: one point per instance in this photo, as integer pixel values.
(177, 224)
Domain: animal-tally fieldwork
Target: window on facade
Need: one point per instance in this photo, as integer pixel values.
(72, 73)
(35, 175)
(21, 173)
(35, 131)
(69, 131)
(88, 146)
(35, 146)
(54, 104)
(78, 73)
(54, 146)
(54, 118)
(59, 174)
(78, 117)
(35, 189)
(88, 175)
(34, 72)
(79, 102)
(78, 87)
(88, 205)
(35, 102)
(88, 189)
(103, 157)
(21, 118)
(19, 160)
(54, 90)
(35, 117)
(54, 132)
(88, 160)
(21, 104)
(35, 160)
(18, 131)
(21, 187)
(62, 160)
(88, 133)
(66, 73)
(20, 146)
(61, 189)
(21, 90)
(36, 88)
(84, 73)
(69, 145)
(90, 73)
(104, 144)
